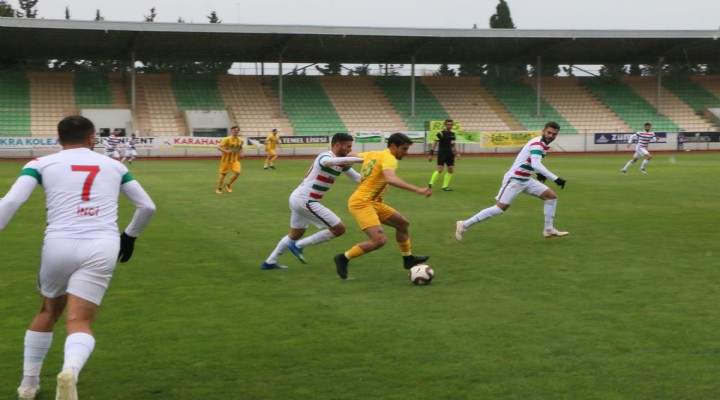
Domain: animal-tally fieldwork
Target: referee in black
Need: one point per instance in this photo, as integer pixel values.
(445, 142)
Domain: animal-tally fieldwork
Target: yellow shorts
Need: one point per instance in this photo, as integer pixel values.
(370, 213)
(227, 167)
(271, 153)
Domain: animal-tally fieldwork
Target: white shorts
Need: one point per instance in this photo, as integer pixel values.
(130, 153)
(81, 267)
(511, 188)
(641, 152)
(112, 153)
(303, 213)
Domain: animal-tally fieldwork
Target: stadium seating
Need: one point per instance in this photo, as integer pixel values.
(14, 104)
(52, 97)
(579, 107)
(197, 92)
(361, 104)
(520, 98)
(427, 107)
(628, 105)
(308, 107)
(253, 105)
(470, 104)
(671, 105)
(692, 94)
(157, 112)
(93, 91)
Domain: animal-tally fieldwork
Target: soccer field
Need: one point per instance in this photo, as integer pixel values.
(626, 307)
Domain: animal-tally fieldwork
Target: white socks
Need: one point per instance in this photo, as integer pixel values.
(644, 163)
(78, 347)
(549, 210)
(317, 238)
(37, 345)
(483, 215)
(629, 163)
(279, 249)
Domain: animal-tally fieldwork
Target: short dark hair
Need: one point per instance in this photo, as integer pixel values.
(234, 127)
(75, 129)
(448, 120)
(341, 137)
(647, 123)
(398, 139)
(552, 124)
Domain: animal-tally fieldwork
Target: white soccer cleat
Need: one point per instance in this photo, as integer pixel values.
(27, 393)
(643, 170)
(548, 233)
(66, 389)
(459, 230)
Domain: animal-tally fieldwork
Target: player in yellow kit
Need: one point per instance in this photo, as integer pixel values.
(271, 142)
(367, 206)
(231, 149)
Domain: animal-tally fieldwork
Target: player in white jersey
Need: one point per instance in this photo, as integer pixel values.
(112, 143)
(519, 180)
(641, 150)
(80, 248)
(130, 152)
(305, 206)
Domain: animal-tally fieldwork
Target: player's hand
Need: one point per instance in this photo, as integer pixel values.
(427, 192)
(127, 245)
(430, 158)
(560, 182)
(541, 177)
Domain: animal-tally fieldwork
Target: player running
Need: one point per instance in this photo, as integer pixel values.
(641, 150)
(305, 206)
(130, 151)
(112, 144)
(519, 180)
(271, 143)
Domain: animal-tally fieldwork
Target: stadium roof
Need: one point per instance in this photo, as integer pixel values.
(39, 39)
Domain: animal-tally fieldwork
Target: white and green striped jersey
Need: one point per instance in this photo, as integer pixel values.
(529, 160)
(643, 138)
(322, 174)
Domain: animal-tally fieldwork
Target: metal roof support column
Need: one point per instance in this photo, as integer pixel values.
(658, 97)
(412, 86)
(538, 72)
(280, 86)
(132, 82)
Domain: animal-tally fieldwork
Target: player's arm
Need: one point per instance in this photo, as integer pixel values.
(330, 161)
(144, 211)
(631, 139)
(392, 179)
(541, 170)
(18, 194)
(432, 150)
(353, 175)
(454, 150)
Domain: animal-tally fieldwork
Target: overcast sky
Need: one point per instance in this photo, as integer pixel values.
(527, 14)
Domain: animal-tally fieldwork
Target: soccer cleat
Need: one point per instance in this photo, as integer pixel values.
(272, 167)
(446, 189)
(623, 171)
(411, 261)
(459, 230)
(66, 389)
(643, 170)
(218, 191)
(548, 233)
(228, 189)
(297, 252)
(430, 186)
(27, 393)
(265, 265)
(265, 167)
(341, 265)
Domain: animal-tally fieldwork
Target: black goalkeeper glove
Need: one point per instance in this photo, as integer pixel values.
(541, 177)
(560, 182)
(127, 245)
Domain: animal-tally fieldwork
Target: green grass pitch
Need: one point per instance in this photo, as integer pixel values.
(626, 307)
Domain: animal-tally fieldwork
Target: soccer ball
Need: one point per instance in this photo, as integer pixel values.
(421, 274)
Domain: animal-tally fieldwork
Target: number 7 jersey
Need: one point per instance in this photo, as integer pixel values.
(81, 192)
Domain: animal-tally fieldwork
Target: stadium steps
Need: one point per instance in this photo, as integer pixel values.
(14, 104)
(308, 108)
(427, 107)
(197, 92)
(361, 104)
(156, 110)
(520, 99)
(628, 105)
(52, 97)
(578, 106)
(252, 106)
(499, 109)
(671, 106)
(464, 101)
(709, 83)
(92, 91)
(692, 94)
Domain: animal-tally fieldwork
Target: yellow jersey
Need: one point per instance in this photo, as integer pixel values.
(372, 181)
(233, 144)
(271, 142)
